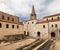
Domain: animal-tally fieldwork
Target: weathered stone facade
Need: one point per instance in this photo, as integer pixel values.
(47, 27)
(10, 25)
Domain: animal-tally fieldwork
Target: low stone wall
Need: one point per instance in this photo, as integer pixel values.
(46, 45)
(29, 46)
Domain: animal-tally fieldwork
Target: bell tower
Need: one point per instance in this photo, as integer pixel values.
(33, 14)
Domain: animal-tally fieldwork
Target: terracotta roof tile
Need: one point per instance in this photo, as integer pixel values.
(52, 15)
(8, 21)
(48, 21)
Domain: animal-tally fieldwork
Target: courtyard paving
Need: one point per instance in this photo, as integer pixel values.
(18, 44)
(57, 45)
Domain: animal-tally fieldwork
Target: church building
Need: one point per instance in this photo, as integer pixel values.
(12, 28)
(47, 27)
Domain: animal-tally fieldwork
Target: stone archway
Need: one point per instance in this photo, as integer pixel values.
(53, 35)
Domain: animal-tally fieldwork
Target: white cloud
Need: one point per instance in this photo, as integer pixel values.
(5, 8)
(24, 7)
(19, 6)
(54, 6)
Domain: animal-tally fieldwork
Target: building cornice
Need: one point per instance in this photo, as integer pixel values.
(48, 21)
(51, 16)
(8, 21)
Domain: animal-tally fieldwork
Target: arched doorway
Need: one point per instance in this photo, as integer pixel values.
(52, 35)
(38, 33)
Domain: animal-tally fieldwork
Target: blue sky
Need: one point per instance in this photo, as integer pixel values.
(22, 8)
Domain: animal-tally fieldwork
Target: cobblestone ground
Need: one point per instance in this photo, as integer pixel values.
(57, 45)
(13, 46)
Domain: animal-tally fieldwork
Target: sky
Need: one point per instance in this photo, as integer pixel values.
(23, 8)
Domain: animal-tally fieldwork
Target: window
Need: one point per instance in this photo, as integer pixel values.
(7, 26)
(59, 31)
(51, 25)
(52, 18)
(2, 16)
(43, 26)
(8, 18)
(32, 22)
(47, 19)
(57, 17)
(12, 26)
(55, 25)
(0, 25)
(12, 19)
(28, 22)
(31, 14)
(17, 26)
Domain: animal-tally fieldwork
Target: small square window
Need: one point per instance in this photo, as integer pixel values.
(43, 26)
(51, 25)
(12, 26)
(7, 26)
(0, 25)
(8, 18)
(31, 14)
(12, 19)
(52, 18)
(32, 22)
(17, 26)
(47, 19)
(55, 25)
(59, 31)
(2, 16)
(57, 17)
(28, 22)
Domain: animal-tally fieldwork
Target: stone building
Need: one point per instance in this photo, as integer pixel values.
(47, 27)
(10, 27)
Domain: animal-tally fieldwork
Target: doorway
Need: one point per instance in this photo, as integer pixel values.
(52, 35)
(38, 33)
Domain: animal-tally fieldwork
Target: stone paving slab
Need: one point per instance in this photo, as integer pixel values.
(57, 45)
(17, 45)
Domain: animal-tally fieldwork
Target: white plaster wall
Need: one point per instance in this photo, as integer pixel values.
(43, 31)
(54, 29)
(31, 27)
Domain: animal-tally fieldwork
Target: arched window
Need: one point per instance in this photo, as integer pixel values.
(8, 18)
(55, 25)
(17, 26)
(57, 17)
(51, 25)
(32, 22)
(52, 18)
(0, 25)
(28, 22)
(12, 19)
(59, 31)
(12, 26)
(31, 14)
(43, 26)
(47, 19)
(2, 16)
(7, 25)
